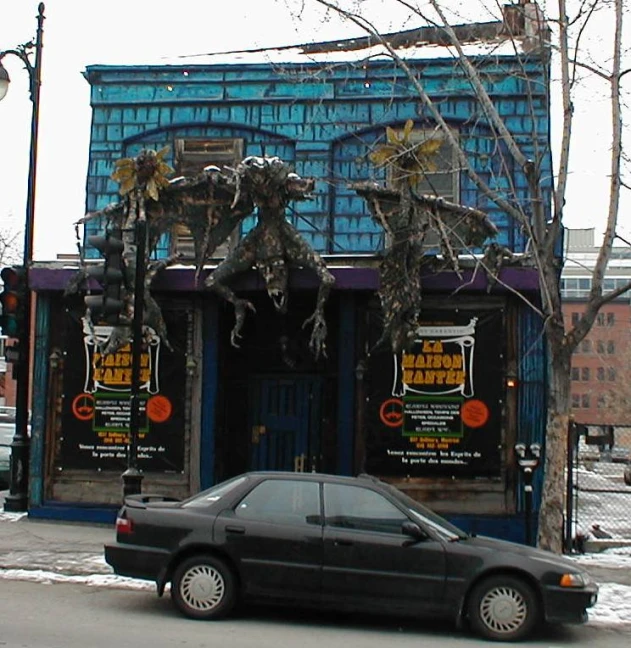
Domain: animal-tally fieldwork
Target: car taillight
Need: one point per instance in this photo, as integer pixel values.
(124, 526)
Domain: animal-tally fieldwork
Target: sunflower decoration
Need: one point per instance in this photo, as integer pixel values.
(148, 171)
(406, 158)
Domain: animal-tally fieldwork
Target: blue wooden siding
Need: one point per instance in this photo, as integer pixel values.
(323, 120)
(532, 385)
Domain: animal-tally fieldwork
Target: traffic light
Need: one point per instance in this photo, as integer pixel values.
(107, 307)
(13, 300)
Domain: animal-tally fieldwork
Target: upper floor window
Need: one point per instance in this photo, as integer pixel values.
(579, 287)
(580, 401)
(613, 284)
(606, 346)
(439, 176)
(192, 155)
(586, 346)
(581, 373)
(575, 318)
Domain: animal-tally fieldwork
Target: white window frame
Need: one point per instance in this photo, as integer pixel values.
(453, 169)
(192, 155)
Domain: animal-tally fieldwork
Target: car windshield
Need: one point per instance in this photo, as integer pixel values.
(211, 495)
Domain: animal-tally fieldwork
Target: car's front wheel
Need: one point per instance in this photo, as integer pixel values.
(503, 608)
(204, 587)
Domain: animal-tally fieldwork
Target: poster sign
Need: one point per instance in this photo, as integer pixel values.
(97, 389)
(441, 414)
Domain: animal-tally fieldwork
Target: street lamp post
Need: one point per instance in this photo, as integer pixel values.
(17, 499)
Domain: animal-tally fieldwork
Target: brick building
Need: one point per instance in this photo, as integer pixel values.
(601, 367)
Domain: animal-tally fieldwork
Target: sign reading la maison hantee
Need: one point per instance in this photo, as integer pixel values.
(440, 413)
(96, 411)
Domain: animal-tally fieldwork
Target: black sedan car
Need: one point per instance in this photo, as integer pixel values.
(352, 543)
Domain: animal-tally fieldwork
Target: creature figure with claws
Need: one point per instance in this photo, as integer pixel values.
(272, 246)
(212, 204)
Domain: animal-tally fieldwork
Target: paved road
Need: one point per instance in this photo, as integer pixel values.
(72, 616)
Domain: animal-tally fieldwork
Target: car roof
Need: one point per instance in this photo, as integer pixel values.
(313, 476)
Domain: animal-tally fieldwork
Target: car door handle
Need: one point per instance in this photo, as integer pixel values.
(342, 543)
(235, 529)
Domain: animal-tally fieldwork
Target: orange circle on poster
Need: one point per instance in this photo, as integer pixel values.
(474, 413)
(391, 412)
(83, 407)
(159, 409)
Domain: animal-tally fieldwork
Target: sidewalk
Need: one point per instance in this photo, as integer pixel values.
(63, 548)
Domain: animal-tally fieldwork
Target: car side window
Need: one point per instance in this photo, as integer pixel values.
(353, 507)
(282, 502)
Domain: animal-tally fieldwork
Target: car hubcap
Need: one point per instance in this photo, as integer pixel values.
(202, 587)
(503, 610)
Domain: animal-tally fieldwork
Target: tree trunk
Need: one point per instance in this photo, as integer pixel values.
(551, 513)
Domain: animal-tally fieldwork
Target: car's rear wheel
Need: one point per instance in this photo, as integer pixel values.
(503, 608)
(204, 587)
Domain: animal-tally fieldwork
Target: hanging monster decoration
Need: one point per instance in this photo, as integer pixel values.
(272, 245)
(417, 228)
(212, 204)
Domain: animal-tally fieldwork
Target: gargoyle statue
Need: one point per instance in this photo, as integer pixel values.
(272, 245)
(212, 204)
(417, 228)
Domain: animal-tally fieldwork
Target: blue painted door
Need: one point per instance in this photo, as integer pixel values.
(285, 422)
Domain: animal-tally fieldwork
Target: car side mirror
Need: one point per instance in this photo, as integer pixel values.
(413, 530)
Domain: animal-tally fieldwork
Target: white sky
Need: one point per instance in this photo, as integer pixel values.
(137, 31)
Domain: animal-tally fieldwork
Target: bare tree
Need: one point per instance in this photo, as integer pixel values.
(9, 246)
(560, 35)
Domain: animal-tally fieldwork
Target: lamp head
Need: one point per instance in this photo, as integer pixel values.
(4, 81)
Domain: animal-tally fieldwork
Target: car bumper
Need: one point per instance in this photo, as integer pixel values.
(136, 561)
(566, 605)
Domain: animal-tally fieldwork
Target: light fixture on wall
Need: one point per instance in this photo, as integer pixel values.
(511, 381)
(360, 370)
(191, 366)
(54, 359)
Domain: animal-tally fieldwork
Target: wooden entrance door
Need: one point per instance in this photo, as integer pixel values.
(285, 413)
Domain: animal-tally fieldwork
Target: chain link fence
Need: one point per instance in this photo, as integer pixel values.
(599, 492)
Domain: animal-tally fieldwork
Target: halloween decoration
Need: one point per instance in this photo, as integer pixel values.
(417, 229)
(212, 204)
(272, 245)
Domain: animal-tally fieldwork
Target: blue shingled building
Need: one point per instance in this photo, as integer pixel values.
(212, 410)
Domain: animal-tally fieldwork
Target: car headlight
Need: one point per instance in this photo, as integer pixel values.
(574, 580)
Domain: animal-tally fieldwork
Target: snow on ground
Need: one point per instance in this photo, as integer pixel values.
(614, 600)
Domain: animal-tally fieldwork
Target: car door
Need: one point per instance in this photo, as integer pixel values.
(369, 562)
(274, 535)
